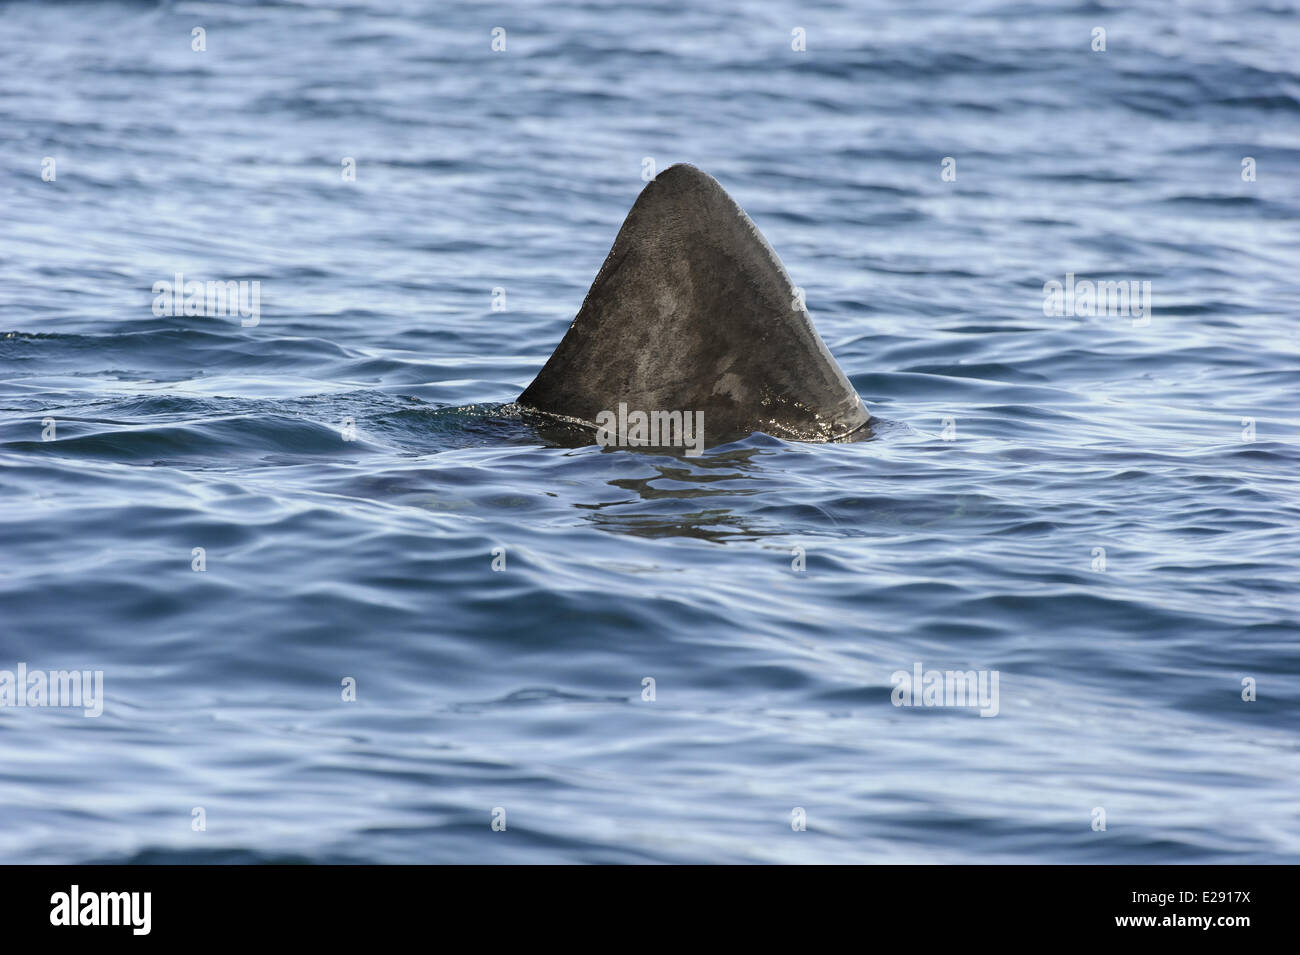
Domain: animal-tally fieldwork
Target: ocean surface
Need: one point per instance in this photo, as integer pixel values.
(1102, 508)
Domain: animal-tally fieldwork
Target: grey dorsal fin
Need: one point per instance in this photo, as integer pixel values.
(693, 311)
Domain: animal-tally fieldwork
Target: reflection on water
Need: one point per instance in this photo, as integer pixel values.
(730, 472)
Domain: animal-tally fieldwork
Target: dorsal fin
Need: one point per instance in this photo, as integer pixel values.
(693, 311)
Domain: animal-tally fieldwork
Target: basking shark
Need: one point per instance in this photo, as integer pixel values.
(693, 312)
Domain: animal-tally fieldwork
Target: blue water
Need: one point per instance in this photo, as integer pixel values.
(960, 544)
